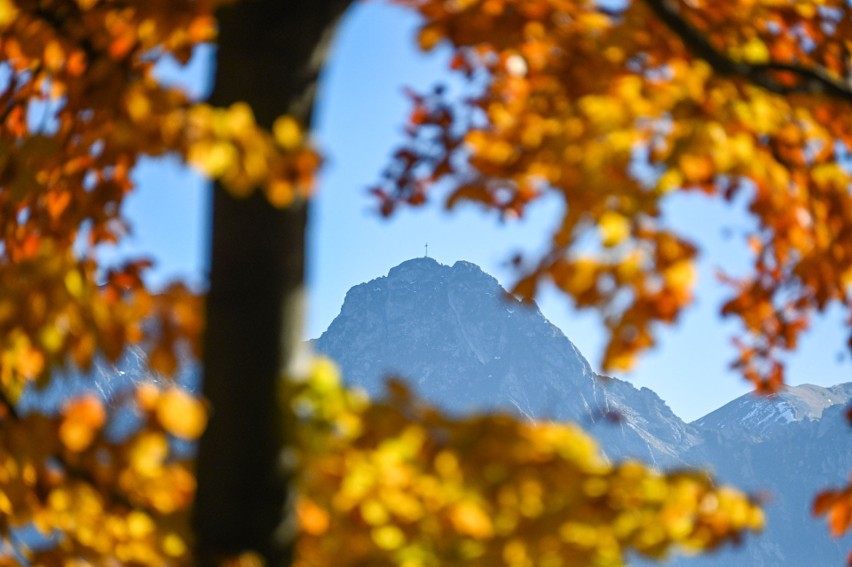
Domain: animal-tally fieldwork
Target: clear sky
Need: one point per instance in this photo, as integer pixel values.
(361, 110)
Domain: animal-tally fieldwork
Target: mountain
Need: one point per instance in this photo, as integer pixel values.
(786, 446)
(466, 345)
(760, 416)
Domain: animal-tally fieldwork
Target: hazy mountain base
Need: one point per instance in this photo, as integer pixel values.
(784, 449)
(466, 345)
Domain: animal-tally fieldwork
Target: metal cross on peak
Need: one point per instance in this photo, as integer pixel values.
(426, 255)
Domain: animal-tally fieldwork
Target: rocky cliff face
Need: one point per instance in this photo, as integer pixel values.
(455, 335)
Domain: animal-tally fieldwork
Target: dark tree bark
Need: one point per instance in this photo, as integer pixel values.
(270, 55)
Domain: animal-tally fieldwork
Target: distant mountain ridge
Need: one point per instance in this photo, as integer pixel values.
(759, 414)
(463, 343)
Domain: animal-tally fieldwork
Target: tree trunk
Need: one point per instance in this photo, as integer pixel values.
(270, 54)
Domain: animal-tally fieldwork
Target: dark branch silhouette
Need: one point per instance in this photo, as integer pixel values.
(812, 80)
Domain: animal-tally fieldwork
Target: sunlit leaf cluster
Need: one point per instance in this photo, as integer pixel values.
(614, 108)
(228, 145)
(399, 483)
(79, 486)
(80, 105)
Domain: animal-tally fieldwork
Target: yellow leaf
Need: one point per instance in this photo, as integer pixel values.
(74, 283)
(388, 537)
(52, 338)
(181, 414)
(374, 512)
(621, 362)
(8, 11)
(613, 227)
(59, 500)
(324, 375)
(239, 119)
(137, 104)
(630, 266)
(148, 454)
(139, 525)
(429, 36)
(6, 505)
(173, 545)
(580, 534)
(594, 21)
(579, 278)
(806, 9)
(213, 158)
(755, 51)
(680, 275)
(469, 519)
(287, 132)
(670, 180)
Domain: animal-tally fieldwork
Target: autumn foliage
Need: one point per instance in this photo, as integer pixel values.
(396, 482)
(615, 109)
(611, 108)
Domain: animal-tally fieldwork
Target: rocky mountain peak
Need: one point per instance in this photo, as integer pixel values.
(467, 345)
(418, 269)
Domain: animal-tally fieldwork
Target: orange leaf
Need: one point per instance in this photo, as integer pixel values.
(840, 517)
(163, 360)
(429, 36)
(312, 519)
(823, 502)
(83, 417)
(696, 168)
(57, 202)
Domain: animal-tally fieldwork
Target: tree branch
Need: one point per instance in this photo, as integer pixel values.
(812, 80)
(8, 406)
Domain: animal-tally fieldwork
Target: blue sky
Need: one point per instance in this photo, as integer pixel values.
(360, 114)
